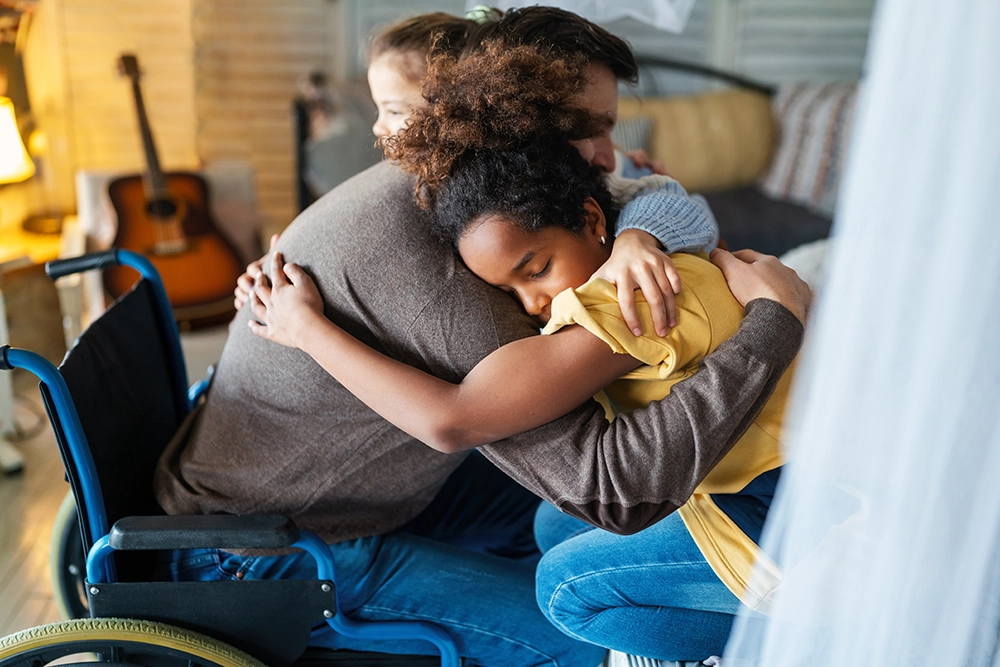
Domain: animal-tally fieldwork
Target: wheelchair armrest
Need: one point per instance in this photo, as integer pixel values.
(212, 531)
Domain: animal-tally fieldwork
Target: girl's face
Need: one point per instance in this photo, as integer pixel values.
(395, 95)
(534, 266)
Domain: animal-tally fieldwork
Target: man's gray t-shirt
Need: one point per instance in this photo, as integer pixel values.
(279, 435)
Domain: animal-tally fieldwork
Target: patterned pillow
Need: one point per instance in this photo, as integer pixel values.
(814, 122)
(632, 133)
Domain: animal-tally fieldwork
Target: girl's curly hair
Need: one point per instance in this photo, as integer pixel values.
(498, 98)
(544, 184)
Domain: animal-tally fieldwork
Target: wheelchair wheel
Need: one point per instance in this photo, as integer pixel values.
(119, 642)
(68, 562)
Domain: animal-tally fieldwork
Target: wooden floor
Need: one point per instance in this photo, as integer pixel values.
(28, 503)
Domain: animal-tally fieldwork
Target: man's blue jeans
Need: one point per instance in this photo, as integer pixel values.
(651, 594)
(442, 567)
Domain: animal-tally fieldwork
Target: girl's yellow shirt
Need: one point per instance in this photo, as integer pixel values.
(707, 314)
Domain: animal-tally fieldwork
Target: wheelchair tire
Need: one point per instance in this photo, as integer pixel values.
(68, 562)
(119, 641)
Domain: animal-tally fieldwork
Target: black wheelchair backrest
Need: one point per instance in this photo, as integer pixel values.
(119, 376)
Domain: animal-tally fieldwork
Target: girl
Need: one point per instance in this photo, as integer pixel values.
(397, 62)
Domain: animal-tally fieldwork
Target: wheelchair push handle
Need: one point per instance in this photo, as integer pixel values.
(113, 257)
(101, 259)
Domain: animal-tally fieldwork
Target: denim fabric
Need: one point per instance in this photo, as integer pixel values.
(481, 509)
(433, 570)
(651, 594)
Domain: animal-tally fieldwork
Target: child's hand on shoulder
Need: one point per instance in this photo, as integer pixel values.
(287, 310)
(637, 262)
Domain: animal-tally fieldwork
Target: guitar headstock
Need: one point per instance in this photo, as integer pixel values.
(128, 65)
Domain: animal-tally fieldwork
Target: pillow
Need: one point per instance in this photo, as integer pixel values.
(814, 125)
(709, 142)
(630, 134)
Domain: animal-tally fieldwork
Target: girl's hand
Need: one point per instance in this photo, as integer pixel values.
(638, 262)
(288, 311)
(254, 275)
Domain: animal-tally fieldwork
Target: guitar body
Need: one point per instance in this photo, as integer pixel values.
(198, 265)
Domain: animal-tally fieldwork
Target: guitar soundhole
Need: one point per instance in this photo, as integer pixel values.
(161, 208)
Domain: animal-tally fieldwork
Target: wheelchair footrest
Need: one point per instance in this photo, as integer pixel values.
(270, 620)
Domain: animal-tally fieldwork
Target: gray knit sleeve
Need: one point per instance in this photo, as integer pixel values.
(660, 206)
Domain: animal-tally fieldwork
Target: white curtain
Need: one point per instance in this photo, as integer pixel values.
(888, 524)
(669, 15)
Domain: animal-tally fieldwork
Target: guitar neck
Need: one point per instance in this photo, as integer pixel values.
(156, 181)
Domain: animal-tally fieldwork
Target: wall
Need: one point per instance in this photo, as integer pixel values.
(250, 60)
(220, 75)
(86, 108)
(771, 40)
(366, 17)
(218, 81)
(796, 40)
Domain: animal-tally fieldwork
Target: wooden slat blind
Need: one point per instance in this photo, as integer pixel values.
(802, 40)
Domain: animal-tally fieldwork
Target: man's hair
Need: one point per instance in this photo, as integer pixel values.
(418, 35)
(543, 184)
(558, 29)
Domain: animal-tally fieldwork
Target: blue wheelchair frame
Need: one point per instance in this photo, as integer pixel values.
(99, 566)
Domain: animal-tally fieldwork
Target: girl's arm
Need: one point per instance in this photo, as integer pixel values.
(522, 385)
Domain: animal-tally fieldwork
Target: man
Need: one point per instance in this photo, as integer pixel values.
(278, 435)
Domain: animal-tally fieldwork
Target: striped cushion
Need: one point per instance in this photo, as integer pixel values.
(814, 122)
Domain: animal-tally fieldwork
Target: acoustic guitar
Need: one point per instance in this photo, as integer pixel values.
(166, 218)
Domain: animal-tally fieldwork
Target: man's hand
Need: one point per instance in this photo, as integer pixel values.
(638, 262)
(753, 275)
(254, 275)
(641, 159)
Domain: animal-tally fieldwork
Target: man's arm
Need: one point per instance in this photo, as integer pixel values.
(628, 474)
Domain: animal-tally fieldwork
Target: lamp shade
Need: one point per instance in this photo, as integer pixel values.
(15, 165)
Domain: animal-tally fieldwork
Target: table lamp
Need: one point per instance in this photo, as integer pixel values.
(15, 165)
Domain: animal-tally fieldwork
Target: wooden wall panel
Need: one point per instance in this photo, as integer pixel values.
(251, 58)
(83, 105)
(219, 77)
(691, 46)
(772, 40)
(104, 130)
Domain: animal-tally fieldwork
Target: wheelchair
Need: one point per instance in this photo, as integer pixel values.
(114, 404)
